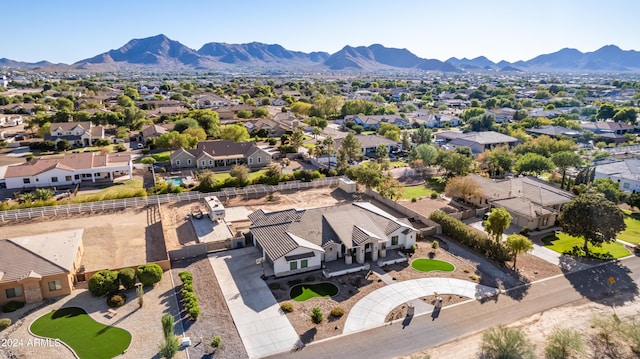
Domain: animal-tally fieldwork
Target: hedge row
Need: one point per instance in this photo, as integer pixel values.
(108, 282)
(479, 242)
(190, 299)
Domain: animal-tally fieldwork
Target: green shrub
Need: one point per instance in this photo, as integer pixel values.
(414, 200)
(316, 315)
(286, 307)
(477, 241)
(188, 286)
(104, 282)
(169, 347)
(337, 312)
(434, 195)
(4, 323)
(12, 306)
(435, 244)
(194, 312)
(116, 300)
(185, 276)
(127, 277)
(149, 274)
(216, 342)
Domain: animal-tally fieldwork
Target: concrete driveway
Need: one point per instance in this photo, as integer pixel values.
(264, 329)
(371, 311)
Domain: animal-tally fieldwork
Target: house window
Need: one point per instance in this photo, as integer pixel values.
(76, 177)
(210, 162)
(55, 285)
(545, 221)
(67, 178)
(13, 292)
(626, 185)
(54, 179)
(259, 159)
(59, 133)
(293, 265)
(177, 162)
(250, 160)
(394, 240)
(304, 263)
(189, 161)
(204, 163)
(26, 180)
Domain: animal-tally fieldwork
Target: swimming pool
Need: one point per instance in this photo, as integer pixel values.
(176, 181)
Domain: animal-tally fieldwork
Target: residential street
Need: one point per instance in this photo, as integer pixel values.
(425, 331)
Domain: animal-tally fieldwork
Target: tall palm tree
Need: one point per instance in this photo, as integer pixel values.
(328, 144)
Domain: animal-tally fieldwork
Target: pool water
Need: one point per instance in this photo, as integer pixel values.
(176, 181)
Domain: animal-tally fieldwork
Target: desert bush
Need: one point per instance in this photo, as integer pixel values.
(4, 323)
(435, 244)
(12, 306)
(286, 307)
(434, 195)
(216, 342)
(194, 312)
(316, 315)
(564, 343)
(169, 347)
(337, 312)
(116, 300)
(104, 282)
(185, 276)
(504, 342)
(127, 277)
(149, 274)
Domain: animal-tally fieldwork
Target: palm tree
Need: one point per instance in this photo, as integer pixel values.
(328, 144)
(296, 139)
(316, 131)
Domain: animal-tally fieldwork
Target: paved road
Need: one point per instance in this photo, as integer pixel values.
(425, 332)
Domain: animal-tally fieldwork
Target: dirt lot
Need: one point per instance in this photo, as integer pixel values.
(116, 240)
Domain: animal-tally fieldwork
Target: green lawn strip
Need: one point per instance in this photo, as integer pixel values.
(564, 242)
(222, 176)
(397, 164)
(88, 338)
(161, 156)
(302, 292)
(416, 192)
(129, 188)
(632, 233)
(428, 265)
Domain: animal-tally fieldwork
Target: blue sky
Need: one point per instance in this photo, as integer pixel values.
(71, 30)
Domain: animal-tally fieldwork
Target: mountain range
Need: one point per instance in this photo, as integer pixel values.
(159, 53)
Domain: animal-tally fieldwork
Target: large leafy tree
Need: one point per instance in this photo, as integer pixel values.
(610, 189)
(565, 160)
(236, 133)
(634, 200)
(352, 147)
(592, 217)
(499, 160)
(533, 163)
(497, 222)
(369, 174)
(456, 164)
(174, 140)
(463, 187)
(517, 244)
(421, 135)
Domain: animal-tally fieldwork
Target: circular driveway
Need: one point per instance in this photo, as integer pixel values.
(372, 310)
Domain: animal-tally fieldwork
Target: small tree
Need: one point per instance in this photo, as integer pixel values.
(241, 174)
(316, 315)
(169, 347)
(564, 343)
(504, 342)
(149, 274)
(498, 221)
(517, 244)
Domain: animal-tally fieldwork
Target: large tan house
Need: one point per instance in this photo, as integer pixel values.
(211, 154)
(41, 266)
(79, 134)
(67, 170)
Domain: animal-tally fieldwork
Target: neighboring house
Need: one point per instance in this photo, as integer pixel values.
(41, 266)
(272, 127)
(370, 143)
(294, 241)
(80, 134)
(211, 154)
(67, 170)
(287, 121)
(423, 117)
(477, 141)
(149, 132)
(532, 203)
(372, 123)
(609, 130)
(626, 173)
(553, 131)
(211, 101)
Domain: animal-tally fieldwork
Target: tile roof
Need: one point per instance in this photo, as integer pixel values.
(222, 148)
(69, 162)
(67, 126)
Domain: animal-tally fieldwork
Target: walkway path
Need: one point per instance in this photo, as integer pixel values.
(264, 329)
(372, 310)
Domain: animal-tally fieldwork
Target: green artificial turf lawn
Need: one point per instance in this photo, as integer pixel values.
(88, 338)
(632, 233)
(416, 192)
(564, 242)
(428, 265)
(302, 292)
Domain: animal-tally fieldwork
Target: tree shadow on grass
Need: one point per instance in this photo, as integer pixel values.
(606, 283)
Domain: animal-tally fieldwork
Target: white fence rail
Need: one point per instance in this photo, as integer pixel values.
(115, 204)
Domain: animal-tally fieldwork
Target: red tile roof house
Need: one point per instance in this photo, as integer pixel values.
(41, 266)
(67, 170)
(224, 153)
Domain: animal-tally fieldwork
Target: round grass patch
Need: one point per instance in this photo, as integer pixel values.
(302, 292)
(428, 265)
(87, 338)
